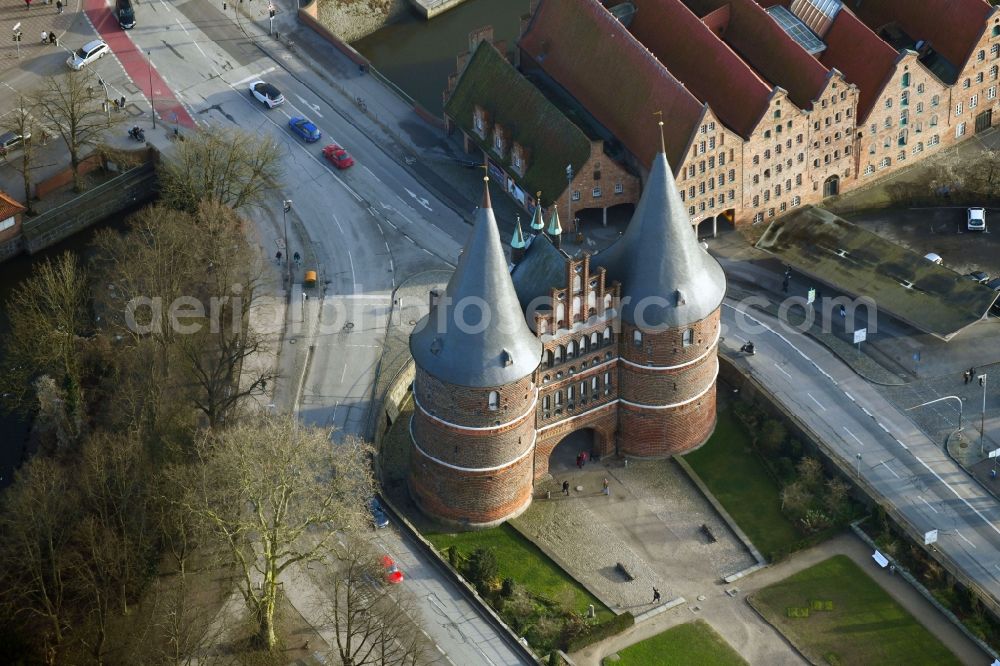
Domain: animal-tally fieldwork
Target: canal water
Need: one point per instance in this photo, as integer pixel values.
(419, 55)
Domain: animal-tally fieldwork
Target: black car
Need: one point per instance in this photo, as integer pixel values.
(379, 517)
(977, 276)
(126, 14)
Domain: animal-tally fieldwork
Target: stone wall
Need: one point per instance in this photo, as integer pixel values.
(351, 20)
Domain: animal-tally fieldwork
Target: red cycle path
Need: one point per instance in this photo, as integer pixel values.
(136, 65)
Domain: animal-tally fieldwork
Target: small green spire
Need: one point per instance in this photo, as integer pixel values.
(555, 229)
(537, 223)
(518, 242)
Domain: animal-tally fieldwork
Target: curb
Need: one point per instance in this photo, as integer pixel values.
(673, 603)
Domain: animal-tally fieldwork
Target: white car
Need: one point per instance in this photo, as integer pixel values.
(933, 258)
(976, 220)
(90, 52)
(266, 94)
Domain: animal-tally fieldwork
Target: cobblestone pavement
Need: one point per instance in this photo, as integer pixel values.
(41, 16)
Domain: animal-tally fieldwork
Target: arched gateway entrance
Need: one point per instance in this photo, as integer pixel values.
(564, 455)
(558, 446)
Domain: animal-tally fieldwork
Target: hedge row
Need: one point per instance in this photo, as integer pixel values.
(600, 631)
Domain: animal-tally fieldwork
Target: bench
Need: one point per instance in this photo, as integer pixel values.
(620, 568)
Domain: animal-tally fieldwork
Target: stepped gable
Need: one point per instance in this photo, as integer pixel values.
(457, 342)
(667, 277)
(594, 58)
(542, 268)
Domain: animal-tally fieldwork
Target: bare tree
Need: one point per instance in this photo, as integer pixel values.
(71, 104)
(23, 122)
(38, 520)
(372, 622)
(48, 314)
(274, 494)
(229, 166)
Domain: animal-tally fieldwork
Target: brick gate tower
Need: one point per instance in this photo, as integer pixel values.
(473, 426)
(623, 344)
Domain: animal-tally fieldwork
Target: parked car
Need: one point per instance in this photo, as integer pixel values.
(11, 142)
(338, 156)
(933, 258)
(87, 54)
(266, 94)
(978, 276)
(305, 128)
(976, 219)
(994, 284)
(393, 575)
(126, 14)
(379, 517)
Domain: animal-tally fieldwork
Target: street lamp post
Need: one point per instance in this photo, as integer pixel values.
(859, 465)
(152, 100)
(107, 100)
(982, 422)
(286, 206)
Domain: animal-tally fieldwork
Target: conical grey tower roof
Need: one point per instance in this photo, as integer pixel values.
(476, 334)
(667, 277)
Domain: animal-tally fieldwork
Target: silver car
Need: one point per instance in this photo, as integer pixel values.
(87, 54)
(11, 143)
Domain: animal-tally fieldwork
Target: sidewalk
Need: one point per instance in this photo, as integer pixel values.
(845, 544)
(41, 16)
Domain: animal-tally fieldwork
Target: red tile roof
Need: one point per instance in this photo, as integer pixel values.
(590, 54)
(865, 60)
(952, 27)
(9, 207)
(695, 55)
(767, 48)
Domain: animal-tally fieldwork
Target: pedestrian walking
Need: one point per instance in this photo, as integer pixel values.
(45, 37)
(606, 489)
(52, 37)
(965, 377)
(579, 461)
(656, 595)
(565, 488)
(59, 6)
(277, 256)
(843, 312)
(972, 373)
(27, 4)
(123, 101)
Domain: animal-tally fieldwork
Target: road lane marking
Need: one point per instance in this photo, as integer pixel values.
(354, 282)
(782, 371)
(962, 536)
(312, 107)
(254, 77)
(338, 224)
(885, 463)
(853, 435)
(420, 200)
(372, 174)
(816, 401)
(929, 505)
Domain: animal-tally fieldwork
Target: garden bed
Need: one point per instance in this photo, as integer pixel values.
(691, 644)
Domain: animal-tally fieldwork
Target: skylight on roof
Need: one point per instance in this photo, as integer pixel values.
(796, 29)
(817, 14)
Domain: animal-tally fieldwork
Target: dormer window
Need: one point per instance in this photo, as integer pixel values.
(481, 121)
(506, 358)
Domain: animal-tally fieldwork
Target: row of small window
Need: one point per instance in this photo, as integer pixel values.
(991, 93)
(904, 120)
(904, 101)
(755, 179)
(827, 140)
(593, 387)
(574, 348)
(730, 196)
(796, 200)
(594, 362)
(759, 217)
(830, 120)
(917, 149)
(994, 71)
(596, 193)
(777, 151)
(828, 157)
(708, 185)
(710, 164)
(994, 50)
(833, 99)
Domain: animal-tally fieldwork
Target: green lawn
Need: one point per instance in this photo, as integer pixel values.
(691, 644)
(863, 626)
(524, 562)
(738, 479)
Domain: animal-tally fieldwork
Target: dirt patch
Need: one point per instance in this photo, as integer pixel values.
(351, 20)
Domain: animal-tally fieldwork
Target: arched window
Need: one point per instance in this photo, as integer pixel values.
(688, 337)
(494, 401)
(637, 338)
(905, 80)
(607, 335)
(570, 349)
(560, 353)
(584, 345)
(546, 403)
(549, 358)
(996, 31)
(595, 340)
(559, 399)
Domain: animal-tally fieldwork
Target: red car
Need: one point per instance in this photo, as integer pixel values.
(392, 573)
(339, 157)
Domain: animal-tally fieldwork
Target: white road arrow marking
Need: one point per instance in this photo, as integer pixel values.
(423, 202)
(314, 107)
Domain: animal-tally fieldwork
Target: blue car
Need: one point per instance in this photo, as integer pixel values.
(379, 517)
(305, 129)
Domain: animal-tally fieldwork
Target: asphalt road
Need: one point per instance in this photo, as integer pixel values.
(877, 441)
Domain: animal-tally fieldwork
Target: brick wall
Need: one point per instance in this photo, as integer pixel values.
(666, 348)
(469, 407)
(653, 387)
(473, 448)
(601, 173)
(478, 499)
(663, 432)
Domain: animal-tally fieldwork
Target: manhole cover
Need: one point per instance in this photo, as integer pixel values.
(413, 323)
(292, 341)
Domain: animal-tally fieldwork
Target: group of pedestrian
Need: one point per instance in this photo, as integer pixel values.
(49, 37)
(969, 374)
(581, 459)
(59, 6)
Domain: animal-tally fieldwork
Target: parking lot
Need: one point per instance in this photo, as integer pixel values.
(942, 231)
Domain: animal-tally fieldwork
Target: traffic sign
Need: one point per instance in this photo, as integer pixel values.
(930, 537)
(860, 335)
